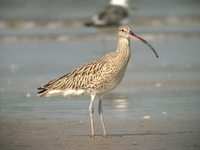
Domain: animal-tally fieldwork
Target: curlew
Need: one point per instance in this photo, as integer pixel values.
(96, 77)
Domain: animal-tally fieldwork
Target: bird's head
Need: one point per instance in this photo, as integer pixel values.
(125, 32)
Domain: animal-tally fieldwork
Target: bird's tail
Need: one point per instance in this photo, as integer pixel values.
(42, 91)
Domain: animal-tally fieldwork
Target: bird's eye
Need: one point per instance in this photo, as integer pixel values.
(122, 30)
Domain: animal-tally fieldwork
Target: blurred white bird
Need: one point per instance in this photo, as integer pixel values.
(116, 13)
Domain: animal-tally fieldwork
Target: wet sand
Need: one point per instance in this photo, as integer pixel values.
(124, 134)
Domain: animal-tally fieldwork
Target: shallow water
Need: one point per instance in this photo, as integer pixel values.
(167, 87)
(69, 9)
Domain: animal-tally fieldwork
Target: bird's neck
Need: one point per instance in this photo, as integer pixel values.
(123, 50)
(123, 47)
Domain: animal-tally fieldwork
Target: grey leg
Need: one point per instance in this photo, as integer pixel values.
(101, 116)
(91, 110)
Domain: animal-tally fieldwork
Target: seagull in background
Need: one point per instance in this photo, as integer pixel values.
(116, 13)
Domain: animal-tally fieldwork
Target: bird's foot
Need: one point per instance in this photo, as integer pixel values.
(92, 136)
(106, 136)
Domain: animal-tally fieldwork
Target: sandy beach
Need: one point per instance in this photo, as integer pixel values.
(151, 134)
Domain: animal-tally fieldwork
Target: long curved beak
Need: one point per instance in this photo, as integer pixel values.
(131, 34)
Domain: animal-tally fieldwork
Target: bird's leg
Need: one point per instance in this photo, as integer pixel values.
(101, 116)
(91, 110)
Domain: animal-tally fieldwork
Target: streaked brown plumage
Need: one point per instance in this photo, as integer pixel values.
(96, 77)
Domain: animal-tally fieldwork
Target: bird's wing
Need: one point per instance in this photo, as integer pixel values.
(81, 78)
